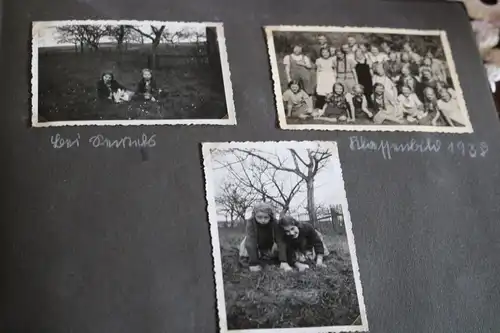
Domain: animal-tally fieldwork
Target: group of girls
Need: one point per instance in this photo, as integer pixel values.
(109, 89)
(375, 83)
(285, 241)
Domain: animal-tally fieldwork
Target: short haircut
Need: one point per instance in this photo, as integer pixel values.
(287, 221)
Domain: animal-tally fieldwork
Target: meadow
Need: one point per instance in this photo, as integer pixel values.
(275, 299)
(67, 84)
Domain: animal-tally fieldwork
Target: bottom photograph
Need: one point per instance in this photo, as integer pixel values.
(282, 240)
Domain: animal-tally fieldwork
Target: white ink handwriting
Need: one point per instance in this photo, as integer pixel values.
(59, 142)
(125, 142)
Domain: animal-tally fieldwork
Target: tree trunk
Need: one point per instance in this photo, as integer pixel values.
(81, 46)
(154, 59)
(311, 208)
(333, 218)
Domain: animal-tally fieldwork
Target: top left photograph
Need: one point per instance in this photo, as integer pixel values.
(130, 73)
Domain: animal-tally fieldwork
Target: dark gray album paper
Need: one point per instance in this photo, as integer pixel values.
(106, 228)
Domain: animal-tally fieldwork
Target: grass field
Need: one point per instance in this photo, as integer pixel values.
(67, 86)
(275, 299)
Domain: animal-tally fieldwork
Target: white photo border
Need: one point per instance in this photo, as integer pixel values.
(230, 119)
(347, 127)
(207, 148)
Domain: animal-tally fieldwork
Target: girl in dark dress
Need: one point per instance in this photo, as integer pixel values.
(107, 86)
(409, 80)
(393, 66)
(431, 108)
(363, 71)
(336, 106)
(427, 79)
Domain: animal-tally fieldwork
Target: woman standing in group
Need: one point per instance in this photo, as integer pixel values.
(437, 66)
(407, 61)
(376, 56)
(325, 77)
(346, 71)
(407, 79)
(427, 79)
(380, 77)
(364, 74)
(393, 66)
(298, 68)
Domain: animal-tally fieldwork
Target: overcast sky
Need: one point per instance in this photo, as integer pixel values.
(48, 36)
(329, 187)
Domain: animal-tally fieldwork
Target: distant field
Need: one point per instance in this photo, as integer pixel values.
(67, 84)
(274, 299)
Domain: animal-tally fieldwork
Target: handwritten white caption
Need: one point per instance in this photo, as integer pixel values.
(387, 148)
(100, 141)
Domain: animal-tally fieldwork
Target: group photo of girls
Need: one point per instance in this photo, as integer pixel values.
(367, 79)
(129, 72)
(282, 240)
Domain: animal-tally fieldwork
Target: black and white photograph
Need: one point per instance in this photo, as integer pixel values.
(283, 245)
(366, 79)
(130, 73)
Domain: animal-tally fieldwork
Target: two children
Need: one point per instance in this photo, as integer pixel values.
(288, 241)
(108, 88)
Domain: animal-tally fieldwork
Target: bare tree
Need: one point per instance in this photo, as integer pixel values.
(120, 33)
(234, 201)
(261, 178)
(89, 35)
(174, 37)
(306, 167)
(136, 37)
(155, 36)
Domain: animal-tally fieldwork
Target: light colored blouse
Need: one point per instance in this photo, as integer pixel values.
(410, 102)
(297, 58)
(325, 65)
(381, 57)
(295, 99)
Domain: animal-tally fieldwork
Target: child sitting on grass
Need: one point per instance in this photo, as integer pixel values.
(336, 107)
(411, 104)
(109, 89)
(297, 102)
(147, 85)
(264, 240)
(303, 243)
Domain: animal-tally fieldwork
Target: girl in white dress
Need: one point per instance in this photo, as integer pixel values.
(325, 76)
(411, 105)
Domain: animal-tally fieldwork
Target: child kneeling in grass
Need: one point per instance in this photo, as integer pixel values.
(303, 243)
(264, 241)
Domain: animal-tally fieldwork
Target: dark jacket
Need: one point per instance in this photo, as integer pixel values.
(307, 240)
(104, 91)
(262, 237)
(142, 89)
